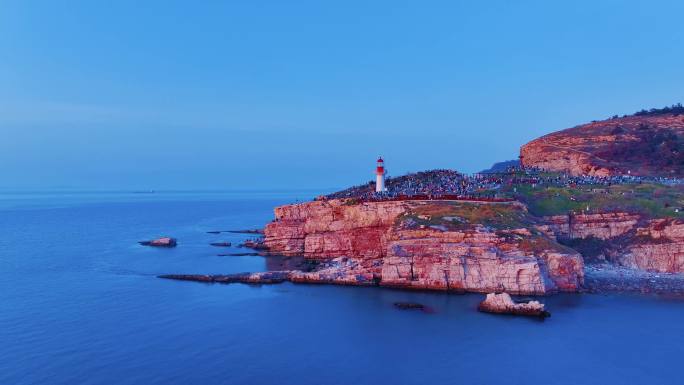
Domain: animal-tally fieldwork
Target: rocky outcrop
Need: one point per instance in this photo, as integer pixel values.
(333, 228)
(255, 244)
(600, 225)
(659, 247)
(160, 242)
(504, 304)
(612, 147)
(655, 245)
(387, 244)
(476, 260)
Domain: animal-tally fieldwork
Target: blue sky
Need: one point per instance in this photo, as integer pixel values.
(306, 94)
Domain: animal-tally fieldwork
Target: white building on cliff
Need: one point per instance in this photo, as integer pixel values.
(380, 176)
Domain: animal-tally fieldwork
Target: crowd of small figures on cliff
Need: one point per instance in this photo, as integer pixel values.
(450, 184)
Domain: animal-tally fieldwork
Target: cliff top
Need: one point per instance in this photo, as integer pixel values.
(648, 199)
(432, 182)
(545, 193)
(649, 143)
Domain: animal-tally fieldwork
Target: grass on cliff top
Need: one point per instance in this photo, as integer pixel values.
(454, 216)
(538, 243)
(652, 200)
(463, 215)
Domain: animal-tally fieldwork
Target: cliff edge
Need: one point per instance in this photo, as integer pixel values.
(436, 245)
(647, 143)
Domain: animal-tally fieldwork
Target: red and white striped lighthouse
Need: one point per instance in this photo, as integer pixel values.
(380, 176)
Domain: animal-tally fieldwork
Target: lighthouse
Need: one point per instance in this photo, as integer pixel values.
(380, 176)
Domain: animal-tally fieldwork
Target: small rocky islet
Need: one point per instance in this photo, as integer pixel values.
(160, 242)
(539, 227)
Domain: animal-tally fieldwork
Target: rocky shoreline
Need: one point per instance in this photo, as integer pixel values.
(464, 247)
(428, 245)
(494, 248)
(600, 278)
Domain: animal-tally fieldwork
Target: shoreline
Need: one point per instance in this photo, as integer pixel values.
(598, 279)
(601, 278)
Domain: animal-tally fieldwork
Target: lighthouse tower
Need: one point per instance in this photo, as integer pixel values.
(380, 176)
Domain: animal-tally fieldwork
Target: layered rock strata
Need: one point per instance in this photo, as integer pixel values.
(601, 225)
(631, 240)
(658, 246)
(424, 245)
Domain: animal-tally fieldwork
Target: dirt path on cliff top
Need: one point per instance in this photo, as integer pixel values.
(575, 150)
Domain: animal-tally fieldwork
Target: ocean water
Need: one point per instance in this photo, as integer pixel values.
(80, 304)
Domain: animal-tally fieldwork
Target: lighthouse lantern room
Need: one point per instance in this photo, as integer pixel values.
(380, 176)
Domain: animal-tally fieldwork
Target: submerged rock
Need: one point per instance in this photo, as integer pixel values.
(252, 244)
(504, 304)
(409, 305)
(268, 277)
(248, 231)
(221, 244)
(160, 242)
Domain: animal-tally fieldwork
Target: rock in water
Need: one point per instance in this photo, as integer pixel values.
(409, 305)
(253, 244)
(265, 277)
(504, 304)
(221, 244)
(249, 231)
(160, 242)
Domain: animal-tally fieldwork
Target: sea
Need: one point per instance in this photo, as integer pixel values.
(80, 303)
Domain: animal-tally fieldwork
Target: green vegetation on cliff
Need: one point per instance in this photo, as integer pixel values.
(653, 200)
(452, 215)
(506, 219)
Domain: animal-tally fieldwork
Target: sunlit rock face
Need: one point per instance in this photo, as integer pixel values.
(659, 246)
(425, 245)
(630, 239)
(503, 304)
(612, 147)
(599, 225)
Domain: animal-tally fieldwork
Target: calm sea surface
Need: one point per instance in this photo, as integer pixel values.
(80, 304)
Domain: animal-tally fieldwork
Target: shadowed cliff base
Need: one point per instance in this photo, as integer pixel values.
(607, 277)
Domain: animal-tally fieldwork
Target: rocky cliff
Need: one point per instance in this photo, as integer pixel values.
(434, 245)
(626, 239)
(658, 246)
(643, 144)
(598, 225)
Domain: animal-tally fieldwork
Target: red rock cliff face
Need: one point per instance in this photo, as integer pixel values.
(609, 147)
(327, 229)
(380, 242)
(659, 246)
(601, 225)
(653, 245)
